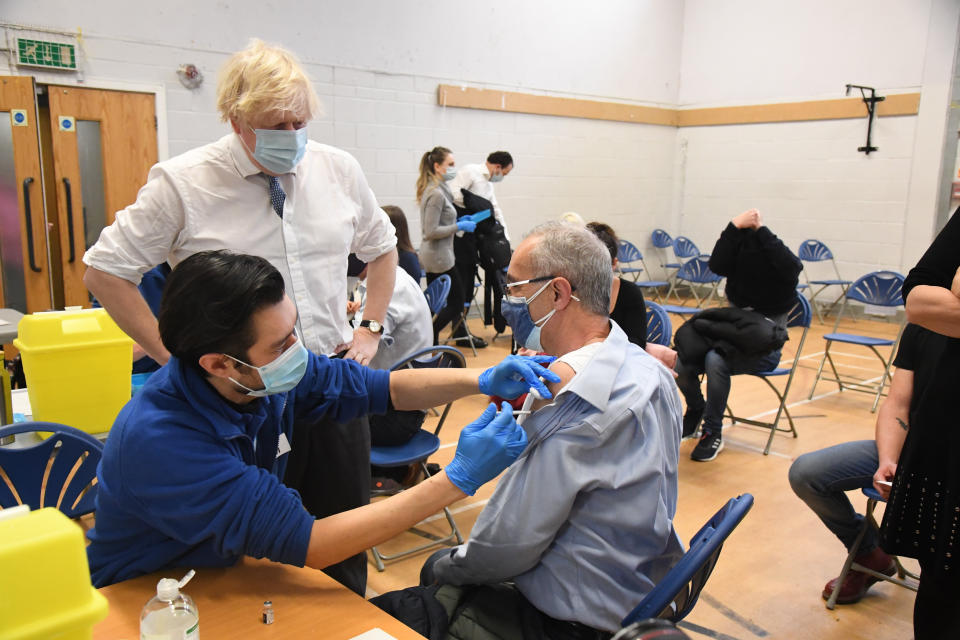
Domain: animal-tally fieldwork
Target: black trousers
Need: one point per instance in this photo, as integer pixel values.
(330, 467)
(465, 257)
(454, 307)
(936, 615)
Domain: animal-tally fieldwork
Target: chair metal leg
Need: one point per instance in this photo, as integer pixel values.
(816, 380)
(832, 601)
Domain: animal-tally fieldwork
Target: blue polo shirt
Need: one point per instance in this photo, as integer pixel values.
(189, 479)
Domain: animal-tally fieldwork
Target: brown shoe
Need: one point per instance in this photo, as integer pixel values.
(856, 584)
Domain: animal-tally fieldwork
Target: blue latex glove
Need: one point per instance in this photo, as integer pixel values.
(487, 446)
(466, 225)
(514, 376)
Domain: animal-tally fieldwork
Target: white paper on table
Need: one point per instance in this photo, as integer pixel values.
(374, 634)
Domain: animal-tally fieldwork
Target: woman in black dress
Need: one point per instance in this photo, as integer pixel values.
(922, 518)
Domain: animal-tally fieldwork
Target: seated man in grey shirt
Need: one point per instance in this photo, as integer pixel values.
(582, 522)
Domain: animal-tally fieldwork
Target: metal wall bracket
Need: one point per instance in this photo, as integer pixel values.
(871, 103)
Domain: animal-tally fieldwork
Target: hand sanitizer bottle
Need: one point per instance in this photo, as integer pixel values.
(170, 615)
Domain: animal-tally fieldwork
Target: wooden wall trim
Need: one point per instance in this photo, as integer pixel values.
(902, 104)
(493, 100)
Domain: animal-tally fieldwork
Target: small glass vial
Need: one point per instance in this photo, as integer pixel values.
(266, 613)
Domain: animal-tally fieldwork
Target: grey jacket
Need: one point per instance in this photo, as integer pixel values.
(438, 219)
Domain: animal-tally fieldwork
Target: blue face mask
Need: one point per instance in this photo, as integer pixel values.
(496, 177)
(516, 311)
(450, 174)
(279, 151)
(281, 375)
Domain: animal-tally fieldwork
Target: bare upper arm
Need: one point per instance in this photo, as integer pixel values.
(566, 374)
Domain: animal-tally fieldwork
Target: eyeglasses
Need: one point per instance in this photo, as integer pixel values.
(520, 282)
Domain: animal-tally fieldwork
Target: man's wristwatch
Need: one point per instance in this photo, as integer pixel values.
(373, 326)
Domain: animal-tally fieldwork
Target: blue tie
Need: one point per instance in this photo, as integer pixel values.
(277, 196)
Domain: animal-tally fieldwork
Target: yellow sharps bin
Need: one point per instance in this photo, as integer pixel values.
(45, 590)
(77, 364)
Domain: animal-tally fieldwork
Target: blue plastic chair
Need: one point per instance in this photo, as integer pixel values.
(659, 328)
(662, 241)
(799, 315)
(873, 497)
(816, 251)
(684, 249)
(675, 596)
(696, 271)
(423, 445)
(59, 472)
(879, 288)
(436, 294)
(628, 253)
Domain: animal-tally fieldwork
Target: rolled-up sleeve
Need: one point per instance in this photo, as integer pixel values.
(375, 234)
(143, 234)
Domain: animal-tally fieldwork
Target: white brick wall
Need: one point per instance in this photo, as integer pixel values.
(809, 181)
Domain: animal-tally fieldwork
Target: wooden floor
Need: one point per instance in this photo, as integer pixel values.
(770, 574)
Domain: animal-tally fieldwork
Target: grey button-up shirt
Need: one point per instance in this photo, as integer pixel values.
(583, 520)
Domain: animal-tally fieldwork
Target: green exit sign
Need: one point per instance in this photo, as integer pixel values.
(50, 55)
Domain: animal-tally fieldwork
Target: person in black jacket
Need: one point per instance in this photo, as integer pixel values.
(761, 276)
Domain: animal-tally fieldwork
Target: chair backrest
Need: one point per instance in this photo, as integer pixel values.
(659, 329)
(628, 252)
(59, 472)
(683, 247)
(437, 292)
(814, 251)
(880, 288)
(677, 593)
(800, 313)
(661, 239)
(437, 357)
(698, 270)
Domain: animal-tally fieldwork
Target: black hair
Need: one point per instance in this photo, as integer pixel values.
(502, 158)
(209, 302)
(608, 236)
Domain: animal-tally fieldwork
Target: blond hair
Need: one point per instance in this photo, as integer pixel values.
(264, 78)
(427, 175)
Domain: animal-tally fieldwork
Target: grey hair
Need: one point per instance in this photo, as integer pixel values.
(573, 252)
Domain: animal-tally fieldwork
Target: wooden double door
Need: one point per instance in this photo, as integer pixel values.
(70, 158)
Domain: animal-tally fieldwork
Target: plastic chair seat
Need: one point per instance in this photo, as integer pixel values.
(673, 265)
(422, 445)
(831, 282)
(779, 371)
(853, 338)
(631, 269)
(680, 310)
(652, 283)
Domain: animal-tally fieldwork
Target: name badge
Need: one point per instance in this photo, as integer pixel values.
(283, 445)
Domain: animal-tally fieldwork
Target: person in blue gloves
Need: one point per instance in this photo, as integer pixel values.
(191, 472)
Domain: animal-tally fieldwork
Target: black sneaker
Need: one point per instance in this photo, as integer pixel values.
(691, 420)
(707, 449)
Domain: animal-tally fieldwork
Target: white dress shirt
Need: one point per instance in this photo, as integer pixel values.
(582, 522)
(214, 197)
(407, 327)
(476, 179)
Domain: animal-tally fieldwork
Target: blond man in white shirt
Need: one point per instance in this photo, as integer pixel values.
(265, 190)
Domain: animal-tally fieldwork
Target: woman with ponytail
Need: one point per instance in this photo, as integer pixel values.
(438, 220)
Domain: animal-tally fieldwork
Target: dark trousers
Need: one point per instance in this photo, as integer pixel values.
(497, 599)
(395, 427)
(718, 371)
(455, 299)
(330, 467)
(935, 612)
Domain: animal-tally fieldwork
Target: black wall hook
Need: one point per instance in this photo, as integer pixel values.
(871, 103)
